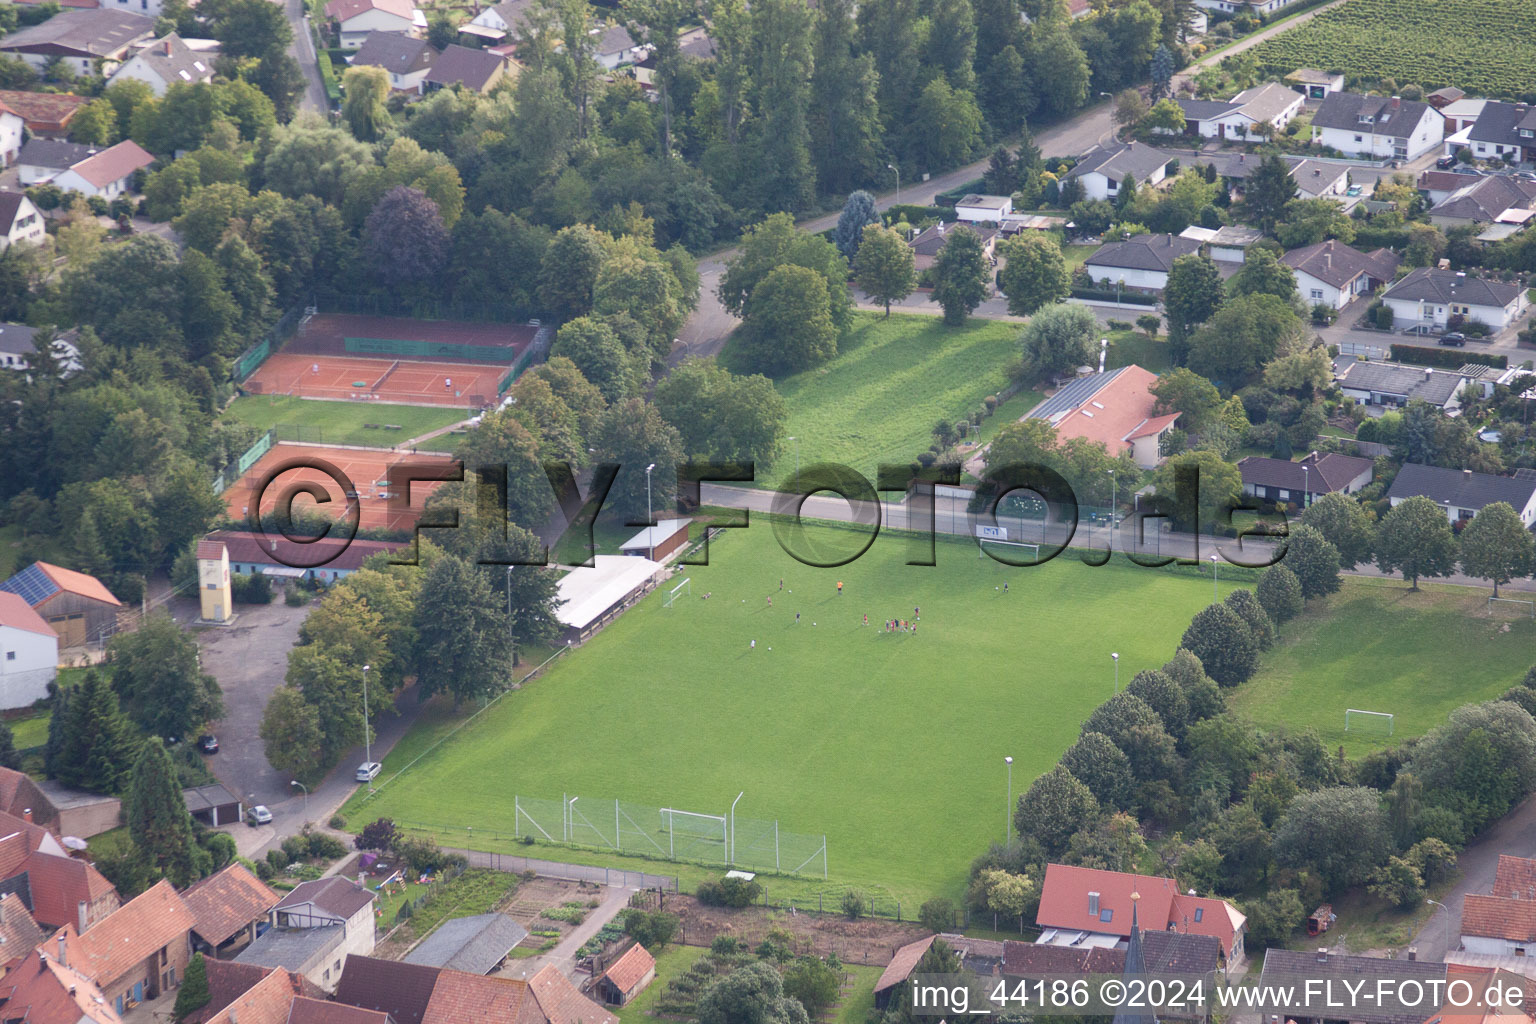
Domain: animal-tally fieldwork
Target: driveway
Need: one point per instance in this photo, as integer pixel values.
(1515, 834)
(302, 49)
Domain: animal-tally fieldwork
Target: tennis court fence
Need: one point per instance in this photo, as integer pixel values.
(246, 362)
(237, 467)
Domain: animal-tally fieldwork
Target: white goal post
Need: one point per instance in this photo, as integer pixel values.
(1373, 714)
(999, 535)
(693, 827)
(1529, 604)
(684, 588)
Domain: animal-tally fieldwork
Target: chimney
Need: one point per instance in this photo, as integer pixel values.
(1328, 260)
(1413, 952)
(27, 814)
(63, 952)
(167, 46)
(1397, 101)
(1322, 954)
(1093, 904)
(1428, 372)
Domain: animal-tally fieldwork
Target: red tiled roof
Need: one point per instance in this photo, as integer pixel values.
(903, 963)
(266, 1002)
(253, 549)
(320, 1011)
(560, 1002)
(1034, 958)
(345, 10)
(458, 996)
(1515, 877)
(80, 583)
(227, 901)
(16, 613)
(211, 549)
(14, 851)
(44, 991)
(18, 931)
(154, 918)
(630, 969)
(1119, 411)
(1064, 904)
(44, 111)
(228, 980)
(59, 885)
(113, 164)
(1499, 917)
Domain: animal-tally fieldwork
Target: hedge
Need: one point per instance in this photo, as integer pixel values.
(328, 76)
(912, 213)
(1452, 359)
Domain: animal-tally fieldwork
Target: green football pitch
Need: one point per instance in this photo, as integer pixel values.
(890, 744)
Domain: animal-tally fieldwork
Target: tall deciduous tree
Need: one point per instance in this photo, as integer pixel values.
(1496, 546)
(1193, 293)
(1055, 805)
(405, 241)
(1346, 524)
(1340, 833)
(720, 415)
(788, 327)
(960, 275)
(463, 638)
(157, 815)
(1059, 339)
(364, 111)
(1416, 539)
(634, 435)
(1314, 560)
(781, 77)
(568, 271)
(156, 673)
(1224, 644)
(885, 267)
(774, 242)
(844, 109)
(1279, 592)
(291, 736)
(1034, 272)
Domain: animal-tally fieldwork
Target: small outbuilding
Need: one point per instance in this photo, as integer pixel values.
(588, 597)
(477, 945)
(78, 607)
(627, 976)
(659, 541)
(214, 805)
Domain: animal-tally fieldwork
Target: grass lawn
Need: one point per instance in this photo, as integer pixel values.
(673, 961)
(859, 996)
(31, 731)
(891, 382)
(1076, 255)
(343, 422)
(1379, 647)
(890, 745)
(1127, 347)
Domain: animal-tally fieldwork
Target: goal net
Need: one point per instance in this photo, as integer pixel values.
(1518, 606)
(683, 589)
(694, 836)
(1367, 721)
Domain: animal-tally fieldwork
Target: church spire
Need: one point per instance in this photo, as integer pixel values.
(1135, 966)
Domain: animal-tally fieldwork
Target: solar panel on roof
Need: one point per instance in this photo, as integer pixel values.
(32, 585)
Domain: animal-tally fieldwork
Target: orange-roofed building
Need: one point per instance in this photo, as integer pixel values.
(1116, 409)
(139, 951)
(29, 653)
(76, 605)
(1515, 877)
(227, 906)
(55, 888)
(43, 989)
(1498, 925)
(1480, 980)
(1091, 907)
(266, 1002)
(627, 976)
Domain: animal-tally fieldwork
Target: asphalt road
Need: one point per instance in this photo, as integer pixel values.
(1515, 835)
(302, 49)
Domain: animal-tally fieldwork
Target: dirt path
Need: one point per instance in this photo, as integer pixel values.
(563, 956)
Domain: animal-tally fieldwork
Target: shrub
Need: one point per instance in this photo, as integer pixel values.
(853, 904)
(324, 847)
(264, 870)
(378, 835)
(1119, 325)
(277, 859)
(1225, 645)
(253, 589)
(937, 915)
(296, 848)
(294, 597)
(337, 822)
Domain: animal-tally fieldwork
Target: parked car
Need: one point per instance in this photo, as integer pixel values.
(208, 743)
(1446, 162)
(259, 815)
(368, 771)
(1353, 190)
(1455, 338)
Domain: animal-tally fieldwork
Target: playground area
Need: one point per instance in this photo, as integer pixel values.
(366, 468)
(396, 359)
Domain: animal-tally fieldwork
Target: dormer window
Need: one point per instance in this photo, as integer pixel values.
(1366, 119)
(1526, 133)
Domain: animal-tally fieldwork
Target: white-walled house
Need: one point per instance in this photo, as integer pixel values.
(11, 129)
(1240, 117)
(20, 221)
(107, 174)
(499, 20)
(1103, 168)
(982, 209)
(1377, 127)
(29, 653)
(1463, 493)
(1431, 297)
(355, 19)
(1141, 262)
(42, 160)
(1335, 274)
(1315, 84)
(314, 928)
(1260, 7)
(82, 38)
(615, 46)
(405, 58)
(165, 62)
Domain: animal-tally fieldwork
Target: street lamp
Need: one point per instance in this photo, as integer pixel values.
(1116, 656)
(509, 617)
(731, 855)
(648, 520)
(305, 788)
(1214, 577)
(1306, 484)
(367, 732)
(898, 181)
(1008, 808)
(1114, 505)
(1445, 927)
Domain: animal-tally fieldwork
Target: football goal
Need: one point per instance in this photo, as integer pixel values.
(695, 836)
(1366, 719)
(1520, 606)
(682, 589)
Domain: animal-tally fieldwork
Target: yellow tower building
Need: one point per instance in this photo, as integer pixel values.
(213, 581)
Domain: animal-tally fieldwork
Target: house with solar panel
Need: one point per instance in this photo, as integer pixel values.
(79, 607)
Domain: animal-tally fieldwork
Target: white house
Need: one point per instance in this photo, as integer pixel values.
(29, 653)
(1485, 200)
(980, 209)
(42, 160)
(1115, 409)
(1393, 385)
(1103, 168)
(1463, 493)
(1432, 297)
(354, 19)
(165, 62)
(1260, 7)
(615, 46)
(11, 126)
(1141, 262)
(107, 174)
(407, 59)
(332, 917)
(1335, 274)
(81, 38)
(1377, 127)
(499, 20)
(19, 220)
(148, 8)
(1240, 117)
(1506, 131)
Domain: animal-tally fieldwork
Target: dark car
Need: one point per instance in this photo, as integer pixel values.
(1455, 338)
(208, 744)
(1445, 162)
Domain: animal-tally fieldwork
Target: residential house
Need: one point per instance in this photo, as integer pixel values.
(228, 981)
(12, 126)
(165, 62)
(315, 927)
(1506, 131)
(927, 243)
(18, 342)
(213, 804)
(475, 70)
(1396, 384)
(148, 8)
(627, 976)
(251, 553)
(1463, 493)
(477, 944)
(1498, 925)
(1103, 168)
(29, 653)
(79, 608)
(499, 21)
(1315, 179)
(615, 46)
(697, 44)
(56, 889)
(406, 58)
(274, 997)
(1240, 117)
(1284, 967)
(1459, 116)
(1315, 84)
(18, 929)
(981, 209)
(137, 952)
(44, 113)
(1141, 262)
(229, 908)
(1227, 244)
(42, 160)
(1377, 127)
(1116, 409)
(1281, 481)
(1090, 907)
(20, 222)
(43, 989)
(1514, 877)
(82, 39)
(355, 19)
(1429, 296)
(1335, 274)
(1442, 98)
(1437, 186)
(107, 174)
(1486, 200)
(415, 994)
(1263, 8)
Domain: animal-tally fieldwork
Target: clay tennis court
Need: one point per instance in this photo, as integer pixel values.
(368, 469)
(383, 379)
